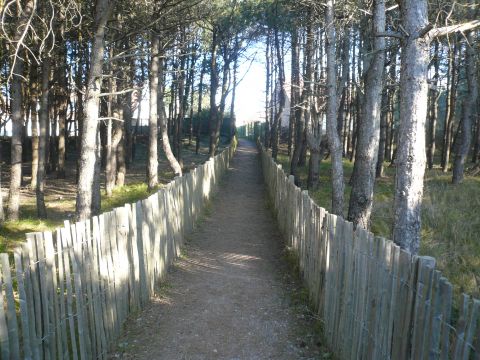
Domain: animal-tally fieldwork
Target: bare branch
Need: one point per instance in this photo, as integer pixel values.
(122, 92)
(435, 33)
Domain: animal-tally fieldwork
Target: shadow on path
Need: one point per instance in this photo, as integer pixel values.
(229, 297)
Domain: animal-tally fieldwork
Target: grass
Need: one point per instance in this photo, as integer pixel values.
(12, 233)
(450, 219)
(125, 195)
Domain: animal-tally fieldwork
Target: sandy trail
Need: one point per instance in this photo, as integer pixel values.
(229, 297)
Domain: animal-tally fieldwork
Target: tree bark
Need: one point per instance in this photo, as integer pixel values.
(152, 166)
(183, 100)
(96, 193)
(233, 119)
(361, 198)
(433, 109)
(34, 123)
(199, 109)
(335, 145)
(62, 115)
(88, 156)
(191, 87)
(476, 150)
(42, 143)
(173, 162)
(267, 92)
(379, 173)
(296, 106)
(214, 81)
(345, 78)
(313, 125)
(411, 155)
(277, 123)
(469, 106)
(451, 103)
(17, 115)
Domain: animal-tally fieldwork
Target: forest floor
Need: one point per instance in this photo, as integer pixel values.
(450, 218)
(231, 295)
(60, 194)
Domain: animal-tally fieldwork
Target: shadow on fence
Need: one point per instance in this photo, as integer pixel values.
(376, 300)
(68, 293)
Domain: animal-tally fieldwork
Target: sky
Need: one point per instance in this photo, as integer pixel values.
(250, 98)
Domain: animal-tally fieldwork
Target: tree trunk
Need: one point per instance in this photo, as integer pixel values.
(214, 81)
(199, 109)
(233, 120)
(183, 100)
(152, 166)
(345, 60)
(476, 150)
(220, 112)
(313, 125)
(191, 86)
(62, 115)
(162, 116)
(277, 124)
(411, 155)
(469, 106)
(52, 154)
(267, 92)
(96, 194)
(433, 109)
(17, 116)
(361, 198)
(335, 145)
(295, 107)
(450, 106)
(34, 122)
(383, 135)
(111, 156)
(88, 155)
(42, 143)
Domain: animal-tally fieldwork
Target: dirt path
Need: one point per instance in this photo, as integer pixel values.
(230, 296)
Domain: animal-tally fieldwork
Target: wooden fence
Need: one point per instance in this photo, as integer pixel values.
(66, 295)
(376, 300)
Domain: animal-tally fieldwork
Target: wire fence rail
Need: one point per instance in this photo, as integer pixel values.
(376, 300)
(67, 294)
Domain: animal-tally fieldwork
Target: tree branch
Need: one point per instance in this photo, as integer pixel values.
(435, 33)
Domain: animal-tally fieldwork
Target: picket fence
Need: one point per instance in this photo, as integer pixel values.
(67, 294)
(376, 301)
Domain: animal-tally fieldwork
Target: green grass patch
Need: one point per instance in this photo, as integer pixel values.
(12, 233)
(125, 195)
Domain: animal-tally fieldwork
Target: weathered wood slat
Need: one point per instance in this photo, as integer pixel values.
(52, 284)
(74, 290)
(81, 327)
(70, 292)
(376, 300)
(23, 302)
(4, 336)
(13, 333)
(62, 297)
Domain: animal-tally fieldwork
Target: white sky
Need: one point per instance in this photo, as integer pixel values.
(250, 98)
